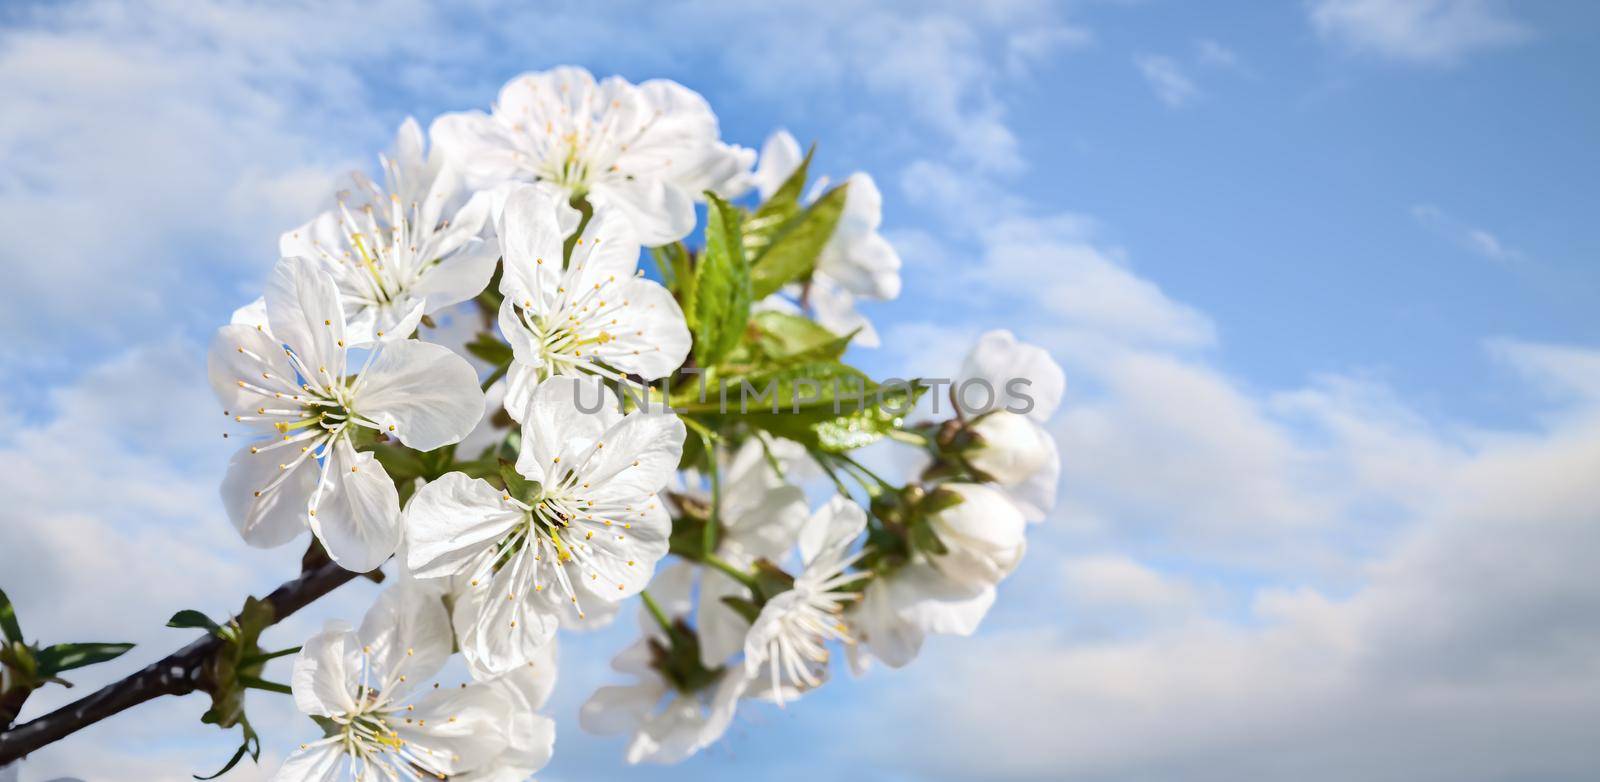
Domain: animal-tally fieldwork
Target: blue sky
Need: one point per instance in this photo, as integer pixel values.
(1321, 274)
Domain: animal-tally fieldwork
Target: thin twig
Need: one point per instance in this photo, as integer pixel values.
(179, 673)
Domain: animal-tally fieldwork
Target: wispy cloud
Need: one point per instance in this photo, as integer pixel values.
(1210, 52)
(1430, 32)
(1167, 78)
(1470, 238)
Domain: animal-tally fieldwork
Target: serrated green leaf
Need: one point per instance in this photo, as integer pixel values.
(794, 250)
(8, 619)
(189, 618)
(66, 657)
(775, 212)
(673, 262)
(781, 338)
(846, 418)
(722, 286)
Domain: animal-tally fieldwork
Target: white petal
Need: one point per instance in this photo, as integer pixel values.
(1036, 496)
(721, 629)
(317, 763)
(358, 515)
(498, 635)
(651, 338)
(327, 671)
(877, 626)
(304, 311)
(242, 353)
(660, 213)
(831, 530)
(780, 156)
(530, 685)
(931, 602)
(1026, 380)
(408, 632)
(564, 417)
(458, 728)
(476, 144)
(452, 520)
(620, 709)
(985, 535)
(270, 518)
(639, 456)
(531, 240)
(422, 393)
(253, 315)
(460, 276)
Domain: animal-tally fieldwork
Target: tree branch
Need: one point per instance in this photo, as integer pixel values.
(179, 673)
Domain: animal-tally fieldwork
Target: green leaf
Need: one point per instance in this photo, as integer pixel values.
(722, 286)
(517, 485)
(778, 210)
(190, 618)
(65, 657)
(924, 539)
(489, 348)
(251, 744)
(794, 250)
(673, 261)
(851, 412)
(782, 339)
(8, 619)
(743, 607)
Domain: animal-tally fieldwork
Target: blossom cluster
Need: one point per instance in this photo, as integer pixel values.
(463, 369)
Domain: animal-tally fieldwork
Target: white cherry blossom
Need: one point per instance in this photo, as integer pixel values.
(646, 150)
(404, 249)
(291, 381)
(595, 316)
(947, 594)
(667, 721)
(787, 643)
(589, 530)
(1028, 383)
(384, 722)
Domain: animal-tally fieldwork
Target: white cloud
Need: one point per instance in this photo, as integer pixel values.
(1470, 238)
(1212, 53)
(1431, 32)
(1168, 79)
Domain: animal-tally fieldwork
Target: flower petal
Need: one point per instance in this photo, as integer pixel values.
(357, 517)
(452, 520)
(459, 728)
(304, 311)
(267, 518)
(421, 393)
(1025, 379)
(327, 671)
(531, 240)
(617, 709)
(407, 631)
(650, 338)
(320, 762)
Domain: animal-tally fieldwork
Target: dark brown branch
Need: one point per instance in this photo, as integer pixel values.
(179, 673)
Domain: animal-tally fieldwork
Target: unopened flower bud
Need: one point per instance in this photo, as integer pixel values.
(1009, 448)
(982, 534)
